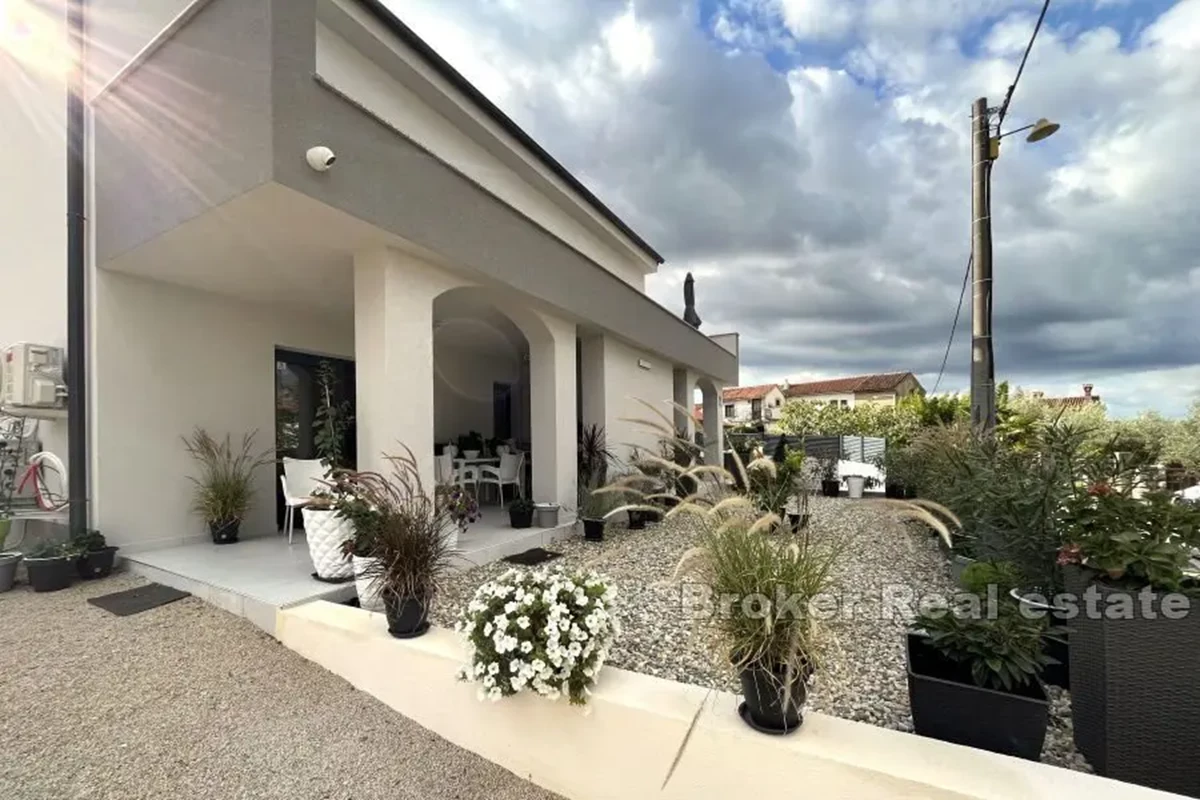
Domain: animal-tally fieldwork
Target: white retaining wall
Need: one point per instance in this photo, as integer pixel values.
(648, 737)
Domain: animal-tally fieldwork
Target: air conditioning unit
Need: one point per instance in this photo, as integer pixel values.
(31, 378)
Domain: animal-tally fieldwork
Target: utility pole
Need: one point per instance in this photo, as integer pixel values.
(983, 370)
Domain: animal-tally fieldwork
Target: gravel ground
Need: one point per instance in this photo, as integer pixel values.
(186, 701)
(864, 678)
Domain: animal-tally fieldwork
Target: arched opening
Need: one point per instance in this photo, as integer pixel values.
(495, 369)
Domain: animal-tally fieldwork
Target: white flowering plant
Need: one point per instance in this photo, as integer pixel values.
(544, 630)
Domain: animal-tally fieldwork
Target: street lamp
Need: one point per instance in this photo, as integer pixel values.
(985, 148)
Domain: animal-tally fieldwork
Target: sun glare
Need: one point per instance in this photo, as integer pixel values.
(33, 37)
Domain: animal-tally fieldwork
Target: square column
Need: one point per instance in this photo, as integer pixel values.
(393, 350)
(553, 410)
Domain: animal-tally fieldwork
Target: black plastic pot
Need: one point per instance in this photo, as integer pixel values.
(225, 532)
(831, 488)
(947, 705)
(407, 617)
(893, 490)
(593, 530)
(1056, 643)
(49, 574)
(520, 518)
(767, 708)
(97, 563)
(638, 520)
(798, 522)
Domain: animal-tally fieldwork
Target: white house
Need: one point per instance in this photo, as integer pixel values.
(880, 389)
(470, 279)
(749, 404)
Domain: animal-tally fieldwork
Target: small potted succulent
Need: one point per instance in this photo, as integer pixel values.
(830, 485)
(8, 559)
(96, 556)
(520, 513)
(224, 489)
(50, 566)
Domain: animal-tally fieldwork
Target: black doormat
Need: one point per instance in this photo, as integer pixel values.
(531, 558)
(135, 601)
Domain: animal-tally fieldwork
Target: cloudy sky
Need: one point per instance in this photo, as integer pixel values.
(809, 161)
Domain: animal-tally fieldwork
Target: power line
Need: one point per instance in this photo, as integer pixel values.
(962, 293)
(1009, 94)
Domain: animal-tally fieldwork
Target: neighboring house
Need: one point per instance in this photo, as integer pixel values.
(882, 389)
(473, 281)
(750, 404)
(1072, 402)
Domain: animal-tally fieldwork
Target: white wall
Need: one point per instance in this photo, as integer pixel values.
(353, 73)
(33, 215)
(649, 737)
(169, 359)
(462, 390)
(626, 382)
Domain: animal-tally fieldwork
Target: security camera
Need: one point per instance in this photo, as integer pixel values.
(321, 158)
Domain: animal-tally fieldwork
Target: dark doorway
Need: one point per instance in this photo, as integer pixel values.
(297, 397)
(502, 411)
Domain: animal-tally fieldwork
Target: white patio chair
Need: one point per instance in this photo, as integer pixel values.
(507, 474)
(302, 476)
(467, 475)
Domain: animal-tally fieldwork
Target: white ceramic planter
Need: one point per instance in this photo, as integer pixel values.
(368, 596)
(854, 486)
(326, 531)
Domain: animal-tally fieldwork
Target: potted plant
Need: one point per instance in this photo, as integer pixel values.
(1135, 685)
(973, 678)
(332, 419)
(326, 531)
(471, 444)
(96, 556)
(8, 559)
(772, 648)
(50, 566)
(855, 485)
(406, 537)
(594, 505)
(830, 485)
(520, 513)
(557, 628)
(224, 489)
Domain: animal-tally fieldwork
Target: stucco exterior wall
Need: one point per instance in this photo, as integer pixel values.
(649, 737)
(167, 360)
(631, 375)
(356, 75)
(876, 398)
(33, 216)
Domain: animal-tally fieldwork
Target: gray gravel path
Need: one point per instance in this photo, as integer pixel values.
(186, 701)
(863, 679)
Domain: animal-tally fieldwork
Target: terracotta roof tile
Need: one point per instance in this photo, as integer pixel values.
(883, 382)
(748, 392)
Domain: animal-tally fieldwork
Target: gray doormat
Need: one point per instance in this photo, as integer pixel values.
(135, 601)
(531, 558)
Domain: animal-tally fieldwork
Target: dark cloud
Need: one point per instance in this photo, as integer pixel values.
(826, 211)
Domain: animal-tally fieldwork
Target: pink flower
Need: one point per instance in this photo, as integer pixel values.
(1069, 554)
